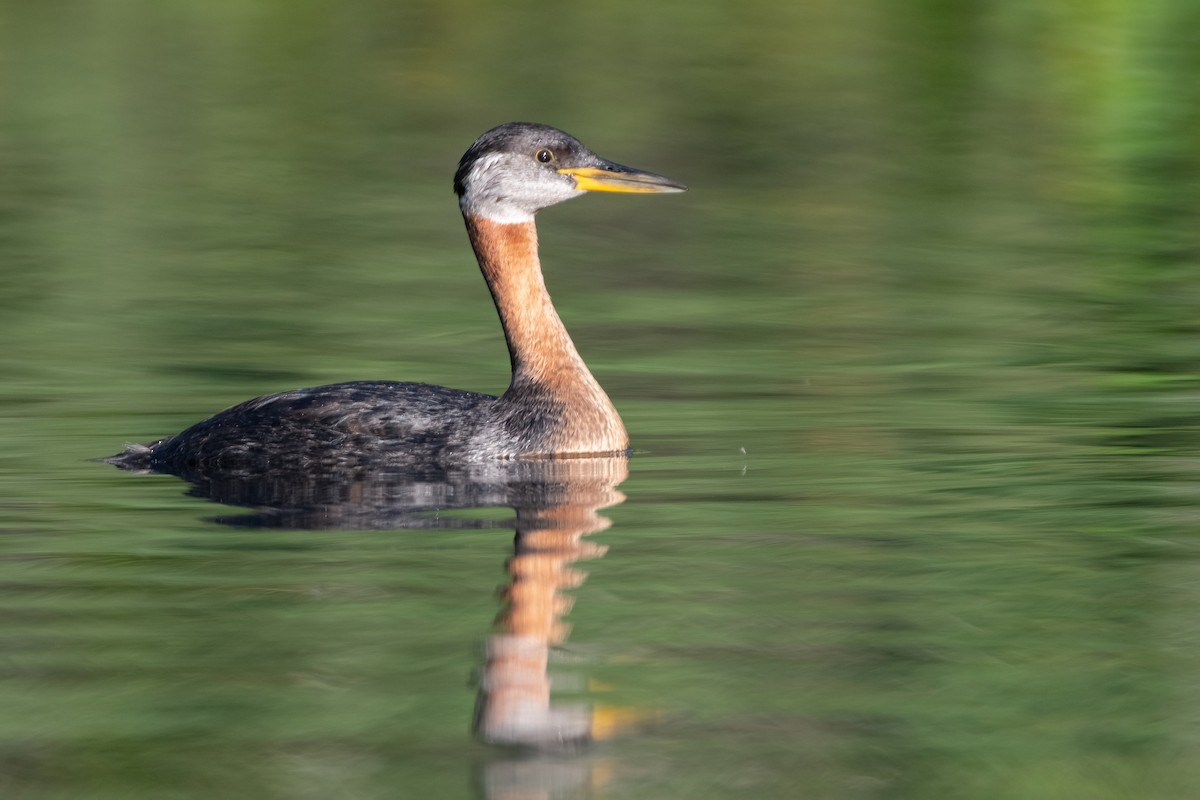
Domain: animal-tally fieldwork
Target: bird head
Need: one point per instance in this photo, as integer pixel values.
(514, 170)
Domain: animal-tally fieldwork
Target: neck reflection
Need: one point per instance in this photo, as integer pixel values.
(514, 703)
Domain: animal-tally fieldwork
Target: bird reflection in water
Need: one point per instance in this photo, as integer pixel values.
(514, 689)
(556, 504)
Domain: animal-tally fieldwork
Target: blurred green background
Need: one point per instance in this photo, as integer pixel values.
(911, 370)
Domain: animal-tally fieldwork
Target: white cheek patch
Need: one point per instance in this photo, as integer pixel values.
(481, 168)
(482, 202)
(500, 197)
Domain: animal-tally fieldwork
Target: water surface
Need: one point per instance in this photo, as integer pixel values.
(910, 373)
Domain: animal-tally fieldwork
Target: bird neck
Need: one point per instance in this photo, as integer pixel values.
(546, 366)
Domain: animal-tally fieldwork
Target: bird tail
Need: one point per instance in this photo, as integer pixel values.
(134, 458)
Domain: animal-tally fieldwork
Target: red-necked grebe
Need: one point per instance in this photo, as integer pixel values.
(553, 406)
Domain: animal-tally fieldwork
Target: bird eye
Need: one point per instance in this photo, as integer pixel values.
(544, 156)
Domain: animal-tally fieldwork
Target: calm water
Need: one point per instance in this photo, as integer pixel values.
(911, 373)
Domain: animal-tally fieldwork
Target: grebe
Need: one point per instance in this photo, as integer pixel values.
(553, 406)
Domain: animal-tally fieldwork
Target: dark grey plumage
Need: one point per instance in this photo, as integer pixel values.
(361, 422)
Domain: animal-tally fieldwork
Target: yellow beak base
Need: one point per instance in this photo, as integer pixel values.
(595, 179)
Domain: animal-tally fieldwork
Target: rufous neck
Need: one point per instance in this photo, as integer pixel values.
(551, 386)
(539, 346)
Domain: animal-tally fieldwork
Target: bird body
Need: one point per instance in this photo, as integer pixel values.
(553, 407)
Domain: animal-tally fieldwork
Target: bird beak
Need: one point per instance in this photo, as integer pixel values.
(615, 178)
